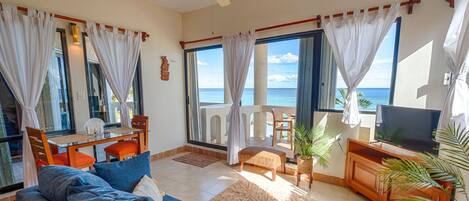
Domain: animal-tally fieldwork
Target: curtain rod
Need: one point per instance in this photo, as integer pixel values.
(317, 19)
(145, 35)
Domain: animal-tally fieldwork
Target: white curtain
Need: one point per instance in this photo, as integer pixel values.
(118, 56)
(26, 44)
(456, 107)
(354, 41)
(237, 51)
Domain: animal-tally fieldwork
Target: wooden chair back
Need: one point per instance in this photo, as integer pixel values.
(141, 122)
(280, 113)
(40, 147)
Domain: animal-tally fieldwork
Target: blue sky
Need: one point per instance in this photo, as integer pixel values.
(283, 66)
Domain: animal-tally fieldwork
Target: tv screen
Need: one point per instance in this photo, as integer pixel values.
(409, 128)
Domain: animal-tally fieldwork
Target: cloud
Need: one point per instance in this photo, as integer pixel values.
(282, 78)
(282, 59)
(201, 63)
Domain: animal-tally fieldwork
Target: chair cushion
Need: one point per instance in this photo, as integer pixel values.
(125, 175)
(80, 159)
(122, 148)
(55, 181)
(98, 193)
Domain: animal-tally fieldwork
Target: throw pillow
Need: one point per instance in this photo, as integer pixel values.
(148, 188)
(125, 175)
(55, 181)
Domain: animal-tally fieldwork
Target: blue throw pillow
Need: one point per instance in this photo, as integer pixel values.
(55, 181)
(96, 193)
(125, 175)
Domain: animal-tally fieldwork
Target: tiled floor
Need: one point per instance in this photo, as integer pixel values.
(191, 183)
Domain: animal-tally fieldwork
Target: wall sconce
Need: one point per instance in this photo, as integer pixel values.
(75, 33)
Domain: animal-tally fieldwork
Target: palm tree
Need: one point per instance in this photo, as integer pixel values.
(362, 102)
(425, 172)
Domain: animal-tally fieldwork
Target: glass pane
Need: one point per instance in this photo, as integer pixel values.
(282, 72)
(11, 165)
(210, 76)
(374, 89)
(103, 102)
(53, 108)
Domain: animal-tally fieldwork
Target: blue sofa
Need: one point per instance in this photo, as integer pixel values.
(33, 194)
(110, 181)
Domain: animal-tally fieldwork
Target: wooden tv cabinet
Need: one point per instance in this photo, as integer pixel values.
(364, 160)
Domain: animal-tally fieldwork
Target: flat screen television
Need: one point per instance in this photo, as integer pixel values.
(409, 128)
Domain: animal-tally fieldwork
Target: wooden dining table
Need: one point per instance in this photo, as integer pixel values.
(72, 142)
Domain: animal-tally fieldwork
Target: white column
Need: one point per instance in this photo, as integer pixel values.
(260, 89)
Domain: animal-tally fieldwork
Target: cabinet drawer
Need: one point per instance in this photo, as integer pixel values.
(363, 176)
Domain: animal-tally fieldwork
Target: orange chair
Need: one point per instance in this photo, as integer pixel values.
(43, 155)
(124, 149)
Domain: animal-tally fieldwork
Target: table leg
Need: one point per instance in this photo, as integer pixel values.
(71, 156)
(141, 142)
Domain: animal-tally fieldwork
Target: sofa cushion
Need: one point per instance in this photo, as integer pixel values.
(97, 193)
(30, 194)
(125, 175)
(55, 181)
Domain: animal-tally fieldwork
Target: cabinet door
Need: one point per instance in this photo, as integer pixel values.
(362, 176)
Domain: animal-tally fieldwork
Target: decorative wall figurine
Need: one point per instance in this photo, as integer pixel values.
(164, 68)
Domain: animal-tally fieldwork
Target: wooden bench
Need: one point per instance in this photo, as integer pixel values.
(263, 157)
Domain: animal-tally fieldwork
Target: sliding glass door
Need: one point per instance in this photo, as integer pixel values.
(272, 84)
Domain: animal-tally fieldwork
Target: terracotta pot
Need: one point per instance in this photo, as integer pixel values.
(304, 166)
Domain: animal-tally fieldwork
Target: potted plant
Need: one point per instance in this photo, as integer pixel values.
(430, 171)
(311, 144)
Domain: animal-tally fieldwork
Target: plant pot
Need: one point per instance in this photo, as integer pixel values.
(304, 166)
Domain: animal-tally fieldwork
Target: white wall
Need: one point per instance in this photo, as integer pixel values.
(163, 100)
(421, 57)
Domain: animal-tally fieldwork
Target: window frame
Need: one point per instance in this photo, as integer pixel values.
(19, 136)
(285, 37)
(395, 61)
(137, 79)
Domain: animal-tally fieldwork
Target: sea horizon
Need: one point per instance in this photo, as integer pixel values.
(287, 96)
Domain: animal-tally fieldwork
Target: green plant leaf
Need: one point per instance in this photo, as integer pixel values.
(455, 145)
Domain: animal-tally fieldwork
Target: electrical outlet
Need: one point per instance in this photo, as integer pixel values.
(447, 79)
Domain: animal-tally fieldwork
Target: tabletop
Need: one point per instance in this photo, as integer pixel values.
(82, 138)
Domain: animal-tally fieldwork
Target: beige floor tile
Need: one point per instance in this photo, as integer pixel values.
(191, 183)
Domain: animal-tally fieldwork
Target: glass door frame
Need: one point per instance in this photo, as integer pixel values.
(316, 34)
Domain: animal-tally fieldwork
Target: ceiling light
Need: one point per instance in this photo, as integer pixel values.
(224, 3)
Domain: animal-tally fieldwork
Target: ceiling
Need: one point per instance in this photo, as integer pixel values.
(184, 6)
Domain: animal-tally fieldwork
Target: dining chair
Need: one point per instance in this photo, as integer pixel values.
(124, 149)
(44, 156)
(94, 126)
(283, 121)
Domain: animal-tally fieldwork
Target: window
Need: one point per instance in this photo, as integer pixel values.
(54, 107)
(282, 72)
(54, 112)
(375, 88)
(210, 76)
(102, 102)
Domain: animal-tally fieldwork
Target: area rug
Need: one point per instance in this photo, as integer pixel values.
(244, 190)
(195, 159)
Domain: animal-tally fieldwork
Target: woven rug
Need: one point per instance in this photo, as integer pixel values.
(195, 159)
(244, 190)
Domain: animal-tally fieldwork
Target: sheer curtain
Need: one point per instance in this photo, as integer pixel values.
(237, 51)
(26, 44)
(354, 41)
(118, 55)
(456, 107)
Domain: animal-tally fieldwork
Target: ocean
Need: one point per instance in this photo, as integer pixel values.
(287, 96)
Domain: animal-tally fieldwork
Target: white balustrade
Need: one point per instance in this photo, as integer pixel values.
(215, 124)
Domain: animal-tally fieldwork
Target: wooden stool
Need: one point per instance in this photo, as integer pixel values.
(303, 168)
(263, 157)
